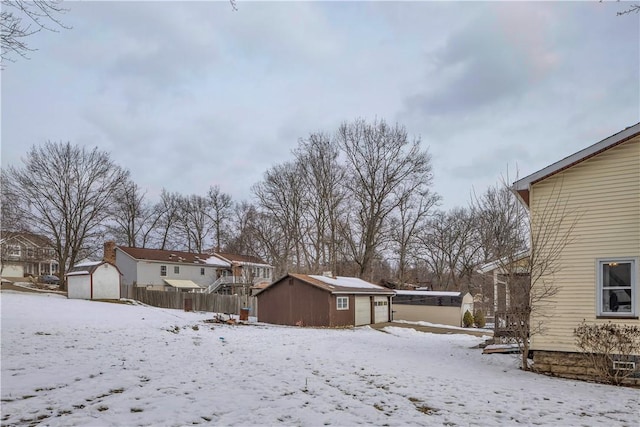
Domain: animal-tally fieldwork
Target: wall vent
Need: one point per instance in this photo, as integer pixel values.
(624, 366)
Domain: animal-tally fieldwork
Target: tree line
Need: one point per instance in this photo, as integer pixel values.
(357, 201)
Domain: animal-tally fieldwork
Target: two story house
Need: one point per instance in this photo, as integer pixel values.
(26, 254)
(166, 270)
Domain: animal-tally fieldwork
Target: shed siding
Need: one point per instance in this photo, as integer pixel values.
(291, 302)
(79, 287)
(106, 282)
(604, 193)
(428, 313)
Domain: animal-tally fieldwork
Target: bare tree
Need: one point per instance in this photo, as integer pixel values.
(20, 19)
(12, 220)
(242, 237)
(195, 222)
(414, 209)
(281, 197)
(380, 158)
(167, 210)
(221, 209)
(451, 248)
(67, 191)
(134, 218)
(323, 176)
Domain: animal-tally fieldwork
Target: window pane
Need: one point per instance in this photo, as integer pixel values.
(616, 274)
(616, 301)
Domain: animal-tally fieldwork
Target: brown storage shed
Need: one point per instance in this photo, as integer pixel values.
(314, 300)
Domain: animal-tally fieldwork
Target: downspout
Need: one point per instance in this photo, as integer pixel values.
(91, 281)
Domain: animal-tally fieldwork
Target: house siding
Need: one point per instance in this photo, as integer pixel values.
(146, 273)
(603, 193)
(128, 267)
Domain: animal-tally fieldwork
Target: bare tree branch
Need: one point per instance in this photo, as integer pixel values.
(21, 19)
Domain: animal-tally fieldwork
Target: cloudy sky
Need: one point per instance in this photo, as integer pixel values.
(192, 94)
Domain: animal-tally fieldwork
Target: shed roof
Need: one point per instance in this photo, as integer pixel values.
(432, 293)
(522, 185)
(88, 267)
(338, 285)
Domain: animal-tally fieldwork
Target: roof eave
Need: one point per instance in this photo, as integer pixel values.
(522, 186)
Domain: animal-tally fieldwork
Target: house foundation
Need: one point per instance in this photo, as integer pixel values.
(572, 365)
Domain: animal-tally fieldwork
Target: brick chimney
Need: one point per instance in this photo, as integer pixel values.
(109, 252)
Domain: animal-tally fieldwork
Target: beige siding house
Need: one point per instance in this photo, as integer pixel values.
(598, 190)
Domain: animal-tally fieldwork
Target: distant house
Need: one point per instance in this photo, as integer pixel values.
(598, 283)
(167, 270)
(310, 300)
(23, 254)
(444, 308)
(502, 273)
(93, 280)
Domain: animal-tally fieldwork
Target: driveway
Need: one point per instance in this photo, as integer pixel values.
(435, 329)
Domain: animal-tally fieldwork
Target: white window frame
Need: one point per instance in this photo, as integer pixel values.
(600, 262)
(342, 303)
(163, 269)
(202, 271)
(176, 269)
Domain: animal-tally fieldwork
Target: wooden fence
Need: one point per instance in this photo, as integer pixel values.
(229, 304)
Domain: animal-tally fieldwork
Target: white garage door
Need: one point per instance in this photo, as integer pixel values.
(381, 309)
(363, 311)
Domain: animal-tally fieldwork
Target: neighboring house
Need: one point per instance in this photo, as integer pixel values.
(93, 280)
(23, 254)
(501, 273)
(443, 308)
(157, 269)
(600, 185)
(309, 300)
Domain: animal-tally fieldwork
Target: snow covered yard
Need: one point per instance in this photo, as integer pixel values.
(73, 362)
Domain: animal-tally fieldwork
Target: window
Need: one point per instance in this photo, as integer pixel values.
(202, 271)
(617, 287)
(163, 270)
(343, 303)
(176, 269)
(13, 251)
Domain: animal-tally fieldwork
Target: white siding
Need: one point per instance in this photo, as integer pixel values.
(79, 287)
(127, 267)
(603, 193)
(106, 282)
(149, 273)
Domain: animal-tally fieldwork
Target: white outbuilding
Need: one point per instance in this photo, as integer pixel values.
(93, 280)
(439, 307)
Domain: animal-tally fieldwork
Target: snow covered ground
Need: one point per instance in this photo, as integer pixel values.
(72, 362)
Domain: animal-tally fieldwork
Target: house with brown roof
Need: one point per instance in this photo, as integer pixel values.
(24, 253)
(322, 300)
(598, 283)
(157, 269)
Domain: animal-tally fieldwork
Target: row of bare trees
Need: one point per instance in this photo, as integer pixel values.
(358, 201)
